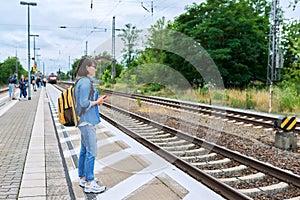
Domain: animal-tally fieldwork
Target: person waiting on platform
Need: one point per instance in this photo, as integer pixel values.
(14, 82)
(33, 83)
(38, 82)
(87, 102)
(44, 81)
(10, 87)
(23, 86)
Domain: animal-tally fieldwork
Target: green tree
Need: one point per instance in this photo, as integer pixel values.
(156, 42)
(153, 53)
(290, 37)
(8, 67)
(103, 64)
(129, 36)
(291, 44)
(294, 3)
(72, 72)
(234, 33)
(104, 67)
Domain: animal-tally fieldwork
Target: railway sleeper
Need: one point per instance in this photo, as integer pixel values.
(148, 136)
(167, 139)
(179, 148)
(227, 171)
(150, 131)
(244, 179)
(191, 152)
(215, 163)
(270, 189)
(158, 134)
(130, 119)
(130, 123)
(172, 143)
(134, 126)
(119, 116)
(199, 158)
(138, 122)
(196, 152)
(124, 122)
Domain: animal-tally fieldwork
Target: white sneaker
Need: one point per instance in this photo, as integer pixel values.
(82, 182)
(94, 188)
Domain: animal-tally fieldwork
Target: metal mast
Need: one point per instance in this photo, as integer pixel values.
(113, 49)
(275, 58)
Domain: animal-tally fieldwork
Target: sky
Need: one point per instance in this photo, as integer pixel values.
(93, 27)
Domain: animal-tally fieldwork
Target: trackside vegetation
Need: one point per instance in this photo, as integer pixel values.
(235, 35)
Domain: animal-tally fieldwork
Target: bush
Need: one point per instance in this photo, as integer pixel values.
(204, 91)
(149, 88)
(154, 87)
(100, 90)
(235, 103)
(218, 96)
(250, 104)
(139, 102)
(287, 99)
(107, 85)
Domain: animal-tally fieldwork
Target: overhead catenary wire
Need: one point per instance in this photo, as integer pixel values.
(97, 8)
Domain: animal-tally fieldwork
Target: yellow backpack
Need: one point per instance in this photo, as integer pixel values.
(67, 113)
(66, 108)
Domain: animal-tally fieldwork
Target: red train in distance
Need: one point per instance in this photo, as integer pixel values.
(52, 78)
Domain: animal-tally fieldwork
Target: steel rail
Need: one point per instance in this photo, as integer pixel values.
(227, 113)
(208, 180)
(4, 90)
(283, 175)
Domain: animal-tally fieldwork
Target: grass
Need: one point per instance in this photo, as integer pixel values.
(257, 100)
(253, 99)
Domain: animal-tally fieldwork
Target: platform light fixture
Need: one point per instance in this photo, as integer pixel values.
(28, 4)
(34, 48)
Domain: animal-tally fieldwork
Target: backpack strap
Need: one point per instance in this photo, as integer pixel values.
(92, 92)
(91, 95)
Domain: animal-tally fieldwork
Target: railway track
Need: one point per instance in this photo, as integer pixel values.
(233, 115)
(3, 90)
(255, 119)
(230, 173)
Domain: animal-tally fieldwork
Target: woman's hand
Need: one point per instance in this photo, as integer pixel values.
(100, 100)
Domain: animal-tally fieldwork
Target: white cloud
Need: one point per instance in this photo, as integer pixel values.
(58, 44)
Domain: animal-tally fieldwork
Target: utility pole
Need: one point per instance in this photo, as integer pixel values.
(17, 60)
(275, 57)
(70, 68)
(86, 48)
(113, 49)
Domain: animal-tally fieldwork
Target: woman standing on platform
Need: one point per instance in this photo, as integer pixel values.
(23, 86)
(87, 102)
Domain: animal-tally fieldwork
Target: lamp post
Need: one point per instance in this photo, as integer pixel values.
(28, 4)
